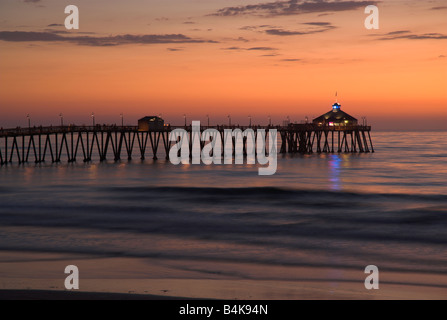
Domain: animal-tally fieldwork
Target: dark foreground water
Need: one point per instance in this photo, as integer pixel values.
(338, 210)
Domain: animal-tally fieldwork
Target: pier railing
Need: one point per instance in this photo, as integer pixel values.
(115, 128)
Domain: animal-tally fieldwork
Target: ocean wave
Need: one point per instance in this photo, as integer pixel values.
(223, 213)
(268, 192)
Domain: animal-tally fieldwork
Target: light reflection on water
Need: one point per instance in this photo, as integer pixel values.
(334, 171)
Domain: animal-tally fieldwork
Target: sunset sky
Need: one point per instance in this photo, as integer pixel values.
(238, 58)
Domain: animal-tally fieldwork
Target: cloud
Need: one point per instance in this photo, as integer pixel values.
(58, 31)
(20, 36)
(398, 32)
(55, 25)
(242, 39)
(290, 60)
(318, 23)
(253, 28)
(251, 49)
(32, 1)
(261, 49)
(280, 32)
(405, 34)
(292, 7)
(64, 31)
(439, 8)
(233, 48)
(315, 27)
(325, 14)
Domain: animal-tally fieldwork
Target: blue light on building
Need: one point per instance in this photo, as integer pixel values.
(336, 106)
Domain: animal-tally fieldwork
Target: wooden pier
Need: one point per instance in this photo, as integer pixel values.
(72, 143)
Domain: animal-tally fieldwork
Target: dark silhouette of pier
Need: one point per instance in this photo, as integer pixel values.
(72, 143)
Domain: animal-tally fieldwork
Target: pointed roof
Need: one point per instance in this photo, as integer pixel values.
(150, 118)
(335, 115)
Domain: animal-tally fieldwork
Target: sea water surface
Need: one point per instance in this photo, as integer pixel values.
(319, 210)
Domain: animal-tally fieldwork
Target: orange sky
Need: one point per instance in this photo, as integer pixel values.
(246, 60)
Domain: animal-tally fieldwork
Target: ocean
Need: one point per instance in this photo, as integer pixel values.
(336, 211)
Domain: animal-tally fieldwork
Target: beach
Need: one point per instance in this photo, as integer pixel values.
(155, 280)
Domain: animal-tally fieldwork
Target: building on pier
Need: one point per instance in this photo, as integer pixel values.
(335, 117)
(150, 123)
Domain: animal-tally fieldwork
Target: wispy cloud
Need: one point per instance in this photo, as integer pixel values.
(318, 23)
(256, 28)
(242, 39)
(126, 39)
(311, 28)
(233, 48)
(174, 49)
(292, 7)
(281, 32)
(406, 34)
(439, 8)
(250, 49)
(261, 49)
(398, 32)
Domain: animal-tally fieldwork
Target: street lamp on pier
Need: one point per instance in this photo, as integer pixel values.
(364, 123)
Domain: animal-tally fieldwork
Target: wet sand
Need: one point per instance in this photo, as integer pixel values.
(75, 295)
(41, 276)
